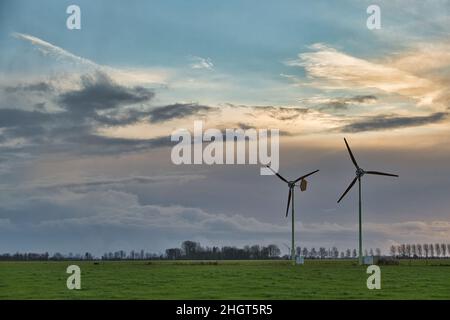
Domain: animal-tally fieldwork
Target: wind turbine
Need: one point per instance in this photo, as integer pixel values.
(292, 184)
(359, 174)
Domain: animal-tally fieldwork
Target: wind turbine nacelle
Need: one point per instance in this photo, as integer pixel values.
(303, 185)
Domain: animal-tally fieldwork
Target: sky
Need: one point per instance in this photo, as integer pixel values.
(86, 117)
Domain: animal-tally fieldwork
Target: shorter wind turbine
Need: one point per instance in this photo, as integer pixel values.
(359, 174)
(292, 184)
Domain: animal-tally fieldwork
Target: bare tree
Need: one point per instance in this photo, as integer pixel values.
(371, 252)
(426, 249)
(173, 253)
(408, 250)
(255, 251)
(378, 252)
(305, 252)
(431, 250)
(419, 250)
(335, 252)
(190, 248)
(403, 250)
(274, 251)
(322, 252)
(443, 249)
(348, 253)
(413, 250)
(354, 254)
(437, 249)
(393, 250)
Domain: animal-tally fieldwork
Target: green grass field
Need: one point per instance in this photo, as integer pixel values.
(224, 280)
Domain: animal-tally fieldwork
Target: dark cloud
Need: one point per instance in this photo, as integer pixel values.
(245, 126)
(99, 102)
(15, 117)
(385, 122)
(25, 124)
(362, 98)
(178, 111)
(119, 183)
(99, 92)
(284, 113)
(278, 113)
(343, 103)
(96, 144)
(42, 87)
(119, 118)
(40, 106)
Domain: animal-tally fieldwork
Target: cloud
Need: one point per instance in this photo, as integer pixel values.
(99, 92)
(123, 75)
(33, 126)
(49, 49)
(424, 58)
(201, 63)
(431, 231)
(123, 218)
(41, 87)
(282, 113)
(92, 144)
(178, 111)
(98, 102)
(330, 68)
(339, 104)
(16, 117)
(86, 184)
(109, 217)
(275, 112)
(385, 122)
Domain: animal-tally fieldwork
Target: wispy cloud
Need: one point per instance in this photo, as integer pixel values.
(329, 68)
(126, 76)
(178, 111)
(386, 122)
(339, 103)
(56, 52)
(86, 184)
(201, 63)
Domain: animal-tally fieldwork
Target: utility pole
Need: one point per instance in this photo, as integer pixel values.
(293, 229)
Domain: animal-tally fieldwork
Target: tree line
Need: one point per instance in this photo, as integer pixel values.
(192, 250)
(426, 250)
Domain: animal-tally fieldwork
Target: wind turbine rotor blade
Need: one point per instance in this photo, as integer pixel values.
(348, 189)
(382, 173)
(306, 175)
(351, 154)
(289, 201)
(277, 174)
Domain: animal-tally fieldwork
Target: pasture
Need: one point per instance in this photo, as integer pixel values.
(272, 279)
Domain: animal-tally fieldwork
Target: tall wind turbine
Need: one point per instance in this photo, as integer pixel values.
(292, 185)
(359, 174)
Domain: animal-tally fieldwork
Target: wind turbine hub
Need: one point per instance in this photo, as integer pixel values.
(360, 172)
(291, 184)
